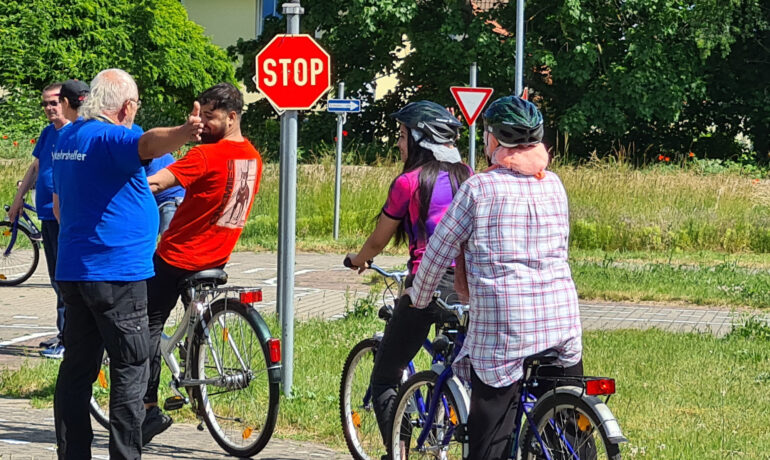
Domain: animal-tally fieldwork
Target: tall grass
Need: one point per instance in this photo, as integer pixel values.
(612, 207)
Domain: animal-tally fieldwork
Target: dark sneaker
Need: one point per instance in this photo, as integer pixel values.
(55, 352)
(48, 343)
(155, 423)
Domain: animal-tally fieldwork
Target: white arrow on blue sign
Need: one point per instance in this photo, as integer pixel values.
(343, 105)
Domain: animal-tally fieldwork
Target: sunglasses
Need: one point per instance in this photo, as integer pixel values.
(45, 104)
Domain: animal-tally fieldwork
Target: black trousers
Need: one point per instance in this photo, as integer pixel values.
(404, 335)
(491, 417)
(162, 295)
(50, 231)
(111, 315)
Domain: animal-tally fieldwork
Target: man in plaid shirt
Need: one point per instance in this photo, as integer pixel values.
(511, 223)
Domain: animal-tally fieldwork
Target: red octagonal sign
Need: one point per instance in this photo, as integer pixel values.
(293, 72)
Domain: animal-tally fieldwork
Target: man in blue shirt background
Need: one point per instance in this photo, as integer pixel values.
(60, 103)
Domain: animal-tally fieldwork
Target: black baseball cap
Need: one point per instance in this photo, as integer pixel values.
(75, 91)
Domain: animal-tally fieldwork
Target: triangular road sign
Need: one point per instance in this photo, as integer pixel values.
(471, 100)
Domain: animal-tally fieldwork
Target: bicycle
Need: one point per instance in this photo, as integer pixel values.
(19, 256)
(567, 422)
(359, 423)
(229, 365)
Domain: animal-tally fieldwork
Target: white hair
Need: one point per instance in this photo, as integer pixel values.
(109, 90)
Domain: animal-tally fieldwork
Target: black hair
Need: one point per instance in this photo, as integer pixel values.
(223, 96)
(420, 157)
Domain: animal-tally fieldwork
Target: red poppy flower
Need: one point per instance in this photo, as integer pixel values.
(5, 137)
(15, 144)
(335, 138)
(691, 155)
(668, 159)
(756, 181)
(344, 133)
(32, 141)
(661, 157)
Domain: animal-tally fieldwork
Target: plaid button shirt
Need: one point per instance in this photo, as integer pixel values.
(514, 230)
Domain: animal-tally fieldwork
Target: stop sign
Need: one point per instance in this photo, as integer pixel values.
(293, 72)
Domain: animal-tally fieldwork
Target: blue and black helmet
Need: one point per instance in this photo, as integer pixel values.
(514, 121)
(433, 120)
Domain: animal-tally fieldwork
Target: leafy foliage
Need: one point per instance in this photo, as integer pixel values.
(660, 75)
(46, 40)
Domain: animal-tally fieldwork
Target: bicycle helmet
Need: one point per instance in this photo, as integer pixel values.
(514, 121)
(433, 120)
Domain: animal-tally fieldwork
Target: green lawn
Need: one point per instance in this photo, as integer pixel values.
(679, 396)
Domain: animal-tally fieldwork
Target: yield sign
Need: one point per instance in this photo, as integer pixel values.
(471, 100)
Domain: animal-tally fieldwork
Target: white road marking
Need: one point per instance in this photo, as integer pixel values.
(25, 317)
(273, 281)
(253, 270)
(24, 338)
(13, 441)
(22, 326)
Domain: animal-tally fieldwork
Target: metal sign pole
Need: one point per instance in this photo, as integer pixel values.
(338, 164)
(519, 47)
(288, 213)
(472, 127)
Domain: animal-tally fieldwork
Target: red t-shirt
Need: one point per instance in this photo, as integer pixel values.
(220, 180)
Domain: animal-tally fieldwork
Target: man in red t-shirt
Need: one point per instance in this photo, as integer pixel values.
(220, 179)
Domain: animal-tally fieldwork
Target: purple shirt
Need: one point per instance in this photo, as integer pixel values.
(403, 204)
(515, 232)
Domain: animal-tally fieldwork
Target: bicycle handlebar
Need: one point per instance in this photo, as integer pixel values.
(370, 265)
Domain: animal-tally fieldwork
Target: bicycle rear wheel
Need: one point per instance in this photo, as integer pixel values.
(241, 409)
(567, 424)
(99, 406)
(20, 263)
(359, 423)
(411, 421)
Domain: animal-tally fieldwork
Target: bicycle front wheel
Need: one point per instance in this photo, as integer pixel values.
(416, 434)
(566, 425)
(18, 261)
(99, 405)
(359, 423)
(241, 407)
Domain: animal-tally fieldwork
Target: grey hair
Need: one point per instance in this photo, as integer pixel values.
(109, 90)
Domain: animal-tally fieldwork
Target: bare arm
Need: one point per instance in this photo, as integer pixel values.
(56, 207)
(162, 180)
(376, 242)
(26, 184)
(158, 141)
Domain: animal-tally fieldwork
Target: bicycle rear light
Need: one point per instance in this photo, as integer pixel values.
(274, 347)
(251, 296)
(600, 387)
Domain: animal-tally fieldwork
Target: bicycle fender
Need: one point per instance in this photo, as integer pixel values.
(456, 387)
(603, 413)
(274, 371)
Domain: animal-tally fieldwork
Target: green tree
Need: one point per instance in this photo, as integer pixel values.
(51, 40)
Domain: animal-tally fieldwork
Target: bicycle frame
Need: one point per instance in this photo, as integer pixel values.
(25, 221)
(194, 315)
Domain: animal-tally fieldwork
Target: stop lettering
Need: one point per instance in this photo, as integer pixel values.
(293, 72)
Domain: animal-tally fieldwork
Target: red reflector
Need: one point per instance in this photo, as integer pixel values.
(251, 296)
(274, 346)
(600, 387)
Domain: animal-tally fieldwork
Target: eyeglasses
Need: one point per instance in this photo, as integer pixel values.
(137, 102)
(45, 104)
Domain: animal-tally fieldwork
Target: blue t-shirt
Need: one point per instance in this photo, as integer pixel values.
(108, 216)
(156, 165)
(44, 187)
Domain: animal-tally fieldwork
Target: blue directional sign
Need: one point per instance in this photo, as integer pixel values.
(343, 105)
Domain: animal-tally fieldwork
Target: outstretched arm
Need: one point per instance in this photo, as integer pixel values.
(158, 141)
(162, 180)
(376, 242)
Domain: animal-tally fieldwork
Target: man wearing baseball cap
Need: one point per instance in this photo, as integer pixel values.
(60, 103)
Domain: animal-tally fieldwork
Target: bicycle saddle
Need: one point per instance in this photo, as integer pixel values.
(214, 276)
(543, 358)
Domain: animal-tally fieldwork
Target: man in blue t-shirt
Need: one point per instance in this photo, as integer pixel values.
(109, 224)
(60, 103)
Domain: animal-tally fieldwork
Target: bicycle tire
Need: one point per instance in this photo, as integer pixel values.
(246, 433)
(99, 405)
(441, 441)
(10, 265)
(359, 423)
(581, 424)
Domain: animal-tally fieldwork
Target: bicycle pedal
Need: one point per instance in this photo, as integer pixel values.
(200, 426)
(174, 403)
